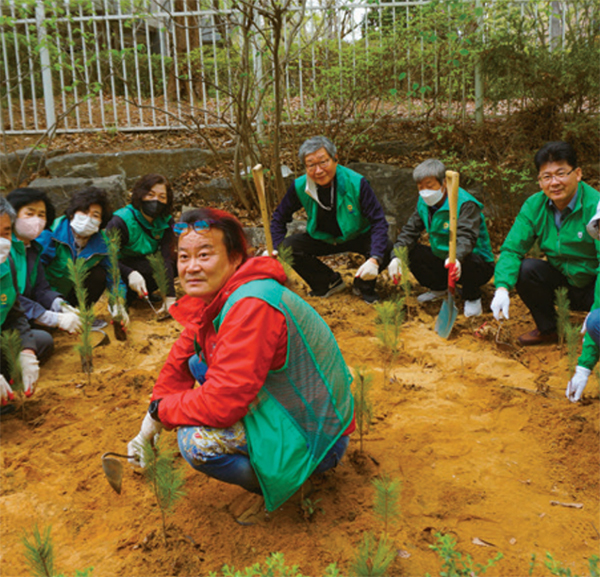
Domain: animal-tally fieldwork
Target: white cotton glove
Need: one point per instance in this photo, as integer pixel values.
(69, 322)
(149, 432)
(577, 384)
(137, 283)
(500, 303)
(457, 268)
(265, 252)
(368, 270)
(57, 304)
(169, 302)
(395, 269)
(30, 370)
(6, 392)
(118, 309)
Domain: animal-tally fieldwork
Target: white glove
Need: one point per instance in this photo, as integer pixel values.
(274, 254)
(169, 302)
(457, 267)
(137, 283)
(577, 384)
(57, 304)
(67, 308)
(69, 322)
(368, 270)
(500, 303)
(30, 370)
(149, 432)
(118, 309)
(6, 393)
(395, 269)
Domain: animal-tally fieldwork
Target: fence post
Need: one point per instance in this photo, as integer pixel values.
(478, 76)
(40, 17)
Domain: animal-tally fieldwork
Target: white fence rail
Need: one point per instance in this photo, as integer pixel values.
(84, 65)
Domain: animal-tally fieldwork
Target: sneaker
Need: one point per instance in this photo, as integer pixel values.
(473, 308)
(431, 296)
(335, 286)
(535, 337)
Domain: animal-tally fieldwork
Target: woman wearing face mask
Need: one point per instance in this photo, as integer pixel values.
(77, 235)
(39, 302)
(145, 227)
(35, 344)
(474, 258)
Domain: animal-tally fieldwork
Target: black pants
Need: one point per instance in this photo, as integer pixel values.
(538, 280)
(95, 283)
(430, 271)
(306, 249)
(44, 347)
(141, 265)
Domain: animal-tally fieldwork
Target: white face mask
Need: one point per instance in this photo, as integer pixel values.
(84, 225)
(4, 249)
(29, 227)
(431, 197)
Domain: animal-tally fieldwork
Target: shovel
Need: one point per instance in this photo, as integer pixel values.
(448, 312)
(113, 469)
(259, 182)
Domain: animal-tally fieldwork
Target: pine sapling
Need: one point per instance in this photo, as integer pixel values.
(363, 408)
(387, 493)
(401, 252)
(115, 298)
(159, 272)
(390, 316)
(11, 352)
(286, 258)
(572, 337)
(166, 481)
(373, 557)
(563, 305)
(78, 274)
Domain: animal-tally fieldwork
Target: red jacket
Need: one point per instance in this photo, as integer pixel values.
(252, 341)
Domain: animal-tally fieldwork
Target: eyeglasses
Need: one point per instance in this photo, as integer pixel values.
(322, 164)
(198, 226)
(560, 175)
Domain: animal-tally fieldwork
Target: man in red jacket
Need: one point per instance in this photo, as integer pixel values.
(274, 402)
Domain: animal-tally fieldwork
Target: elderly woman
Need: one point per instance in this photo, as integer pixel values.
(35, 344)
(274, 402)
(77, 235)
(145, 227)
(474, 258)
(41, 304)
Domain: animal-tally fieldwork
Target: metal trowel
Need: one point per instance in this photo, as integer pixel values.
(449, 312)
(113, 469)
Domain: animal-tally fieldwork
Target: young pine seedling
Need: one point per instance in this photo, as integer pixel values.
(563, 305)
(159, 272)
(390, 316)
(115, 298)
(11, 351)
(572, 338)
(363, 407)
(286, 258)
(401, 252)
(373, 557)
(166, 481)
(78, 275)
(387, 493)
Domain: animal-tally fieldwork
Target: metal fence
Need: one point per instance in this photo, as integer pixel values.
(117, 65)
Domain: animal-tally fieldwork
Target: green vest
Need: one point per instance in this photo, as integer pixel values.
(144, 237)
(350, 219)
(8, 294)
(304, 407)
(18, 251)
(439, 227)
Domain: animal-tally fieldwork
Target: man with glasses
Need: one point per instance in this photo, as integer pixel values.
(556, 217)
(343, 215)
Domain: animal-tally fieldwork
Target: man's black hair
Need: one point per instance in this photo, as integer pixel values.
(555, 152)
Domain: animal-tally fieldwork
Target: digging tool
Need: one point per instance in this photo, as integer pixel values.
(259, 182)
(113, 469)
(448, 312)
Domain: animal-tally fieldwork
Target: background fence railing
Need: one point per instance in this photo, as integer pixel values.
(81, 65)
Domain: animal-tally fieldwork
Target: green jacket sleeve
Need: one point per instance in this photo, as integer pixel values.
(590, 354)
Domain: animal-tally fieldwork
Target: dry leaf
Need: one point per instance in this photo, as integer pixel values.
(478, 541)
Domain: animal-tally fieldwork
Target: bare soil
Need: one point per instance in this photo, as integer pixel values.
(478, 431)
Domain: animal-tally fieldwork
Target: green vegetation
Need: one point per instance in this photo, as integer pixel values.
(363, 407)
(387, 494)
(11, 350)
(115, 298)
(563, 305)
(159, 272)
(390, 316)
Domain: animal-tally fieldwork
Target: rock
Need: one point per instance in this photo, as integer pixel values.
(217, 190)
(399, 147)
(26, 161)
(256, 234)
(60, 190)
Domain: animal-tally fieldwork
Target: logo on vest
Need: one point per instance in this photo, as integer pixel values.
(580, 234)
(350, 208)
(3, 298)
(446, 225)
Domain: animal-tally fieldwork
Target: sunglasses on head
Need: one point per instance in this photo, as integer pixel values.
(198, 226)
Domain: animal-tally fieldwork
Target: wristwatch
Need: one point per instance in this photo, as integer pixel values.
(153, 409)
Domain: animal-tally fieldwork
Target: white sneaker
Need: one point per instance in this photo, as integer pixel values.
(473, 308)
(431, 296)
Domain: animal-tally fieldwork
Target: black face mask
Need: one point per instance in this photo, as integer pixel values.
(153, 208)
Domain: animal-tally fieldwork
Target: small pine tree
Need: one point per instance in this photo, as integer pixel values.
(11, 351)
(387, 493)
(113, 243)
(286, 258)
(373, 557)
(363, 408)
(159, 272)
(166, 481)
(572, 337)
(401, 252)
(390, 316)
(39, 552)
(563, 305)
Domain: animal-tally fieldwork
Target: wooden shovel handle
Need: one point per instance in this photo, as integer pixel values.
(259, 182)
(452, 179)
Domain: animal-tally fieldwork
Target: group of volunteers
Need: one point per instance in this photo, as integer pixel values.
(37, 292)
(255, 384)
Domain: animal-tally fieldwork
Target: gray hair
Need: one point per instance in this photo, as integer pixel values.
(315, 143)
(430, 167)
(6, 208)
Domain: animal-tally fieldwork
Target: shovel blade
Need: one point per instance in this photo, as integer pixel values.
(113, 469)
(446, 318)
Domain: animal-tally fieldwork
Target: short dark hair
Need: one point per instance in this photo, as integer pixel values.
(555, 152)
(21, 197)
(144, 185)
(233, 231)
(84, 198)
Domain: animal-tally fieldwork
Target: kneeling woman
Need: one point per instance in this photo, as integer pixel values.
(145, 227)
